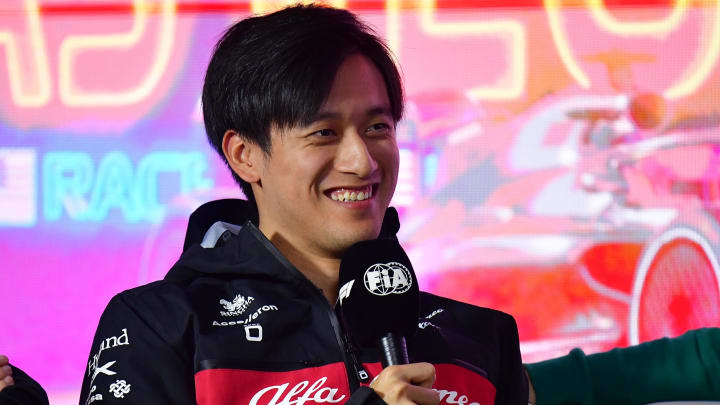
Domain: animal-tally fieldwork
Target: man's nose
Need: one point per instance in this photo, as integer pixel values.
(354, 156)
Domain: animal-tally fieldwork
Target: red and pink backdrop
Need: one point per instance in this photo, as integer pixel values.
(560, 162)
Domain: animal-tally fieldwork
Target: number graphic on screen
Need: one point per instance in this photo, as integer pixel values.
(26, 59)
(704, 64)
(604, 19)
(698, 70)
(511, 31)
(76, 44)
(265, 6)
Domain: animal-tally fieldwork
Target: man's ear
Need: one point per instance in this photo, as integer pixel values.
(243, 156)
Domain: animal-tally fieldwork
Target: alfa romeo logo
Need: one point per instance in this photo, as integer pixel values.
(390, 278)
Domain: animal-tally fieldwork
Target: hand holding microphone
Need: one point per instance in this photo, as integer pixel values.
(408, 382)
(379, 305)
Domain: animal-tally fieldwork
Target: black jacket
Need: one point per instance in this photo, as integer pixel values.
(238, 324)
(25, 391)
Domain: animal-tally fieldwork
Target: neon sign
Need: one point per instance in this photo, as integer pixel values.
(77, 44)
(28, 58)
(17, 187)
(30, 84)
(696, 75)
(73, 187)
(510, 31)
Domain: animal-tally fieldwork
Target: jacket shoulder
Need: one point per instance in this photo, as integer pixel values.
(150, 297)
(162, 308)
(463, 312)
(482, 339)
(142, 326)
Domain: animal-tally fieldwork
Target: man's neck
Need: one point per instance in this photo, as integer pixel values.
(322, 271)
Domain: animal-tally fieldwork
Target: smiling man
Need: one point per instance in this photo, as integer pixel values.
(324, 183)
(302, 105)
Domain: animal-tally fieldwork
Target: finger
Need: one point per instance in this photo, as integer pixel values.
(5, 371)
(422, 374)
(531, 393)
(6, 382)
(3, 360)
(396, 384)
(373, 381)
(422, 396)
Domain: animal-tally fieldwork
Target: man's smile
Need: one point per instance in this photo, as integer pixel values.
(350, 194)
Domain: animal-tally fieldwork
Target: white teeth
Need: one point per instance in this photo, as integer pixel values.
(348, 195)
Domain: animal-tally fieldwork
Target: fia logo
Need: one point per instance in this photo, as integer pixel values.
(385, 279)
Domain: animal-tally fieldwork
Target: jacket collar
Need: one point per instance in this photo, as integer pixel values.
(247, 252)
(239, 212)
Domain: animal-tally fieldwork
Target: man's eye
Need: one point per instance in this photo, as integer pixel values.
(324, 133)
(379, 128)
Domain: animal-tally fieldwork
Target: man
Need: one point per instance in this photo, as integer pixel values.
(302, 105)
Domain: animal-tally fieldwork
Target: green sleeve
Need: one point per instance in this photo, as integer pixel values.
(683, 368)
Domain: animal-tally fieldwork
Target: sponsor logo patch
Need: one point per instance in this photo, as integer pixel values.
(120, 388)
(238, 305)
(312, 385)
(299, 394)
(253, 333)
(459, 386)
(95, 369)
(435, 312)
(249, 319)
(109, 343)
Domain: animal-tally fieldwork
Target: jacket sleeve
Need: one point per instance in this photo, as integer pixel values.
(682, 368)
(131, 361)
(513, 386)
(25, 391)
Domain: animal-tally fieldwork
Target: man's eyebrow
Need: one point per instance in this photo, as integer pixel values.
(324, 115)
(379, 110)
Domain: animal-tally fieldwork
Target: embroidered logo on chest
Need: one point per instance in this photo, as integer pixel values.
(238, 305)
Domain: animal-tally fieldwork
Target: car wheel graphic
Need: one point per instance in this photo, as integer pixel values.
(676, 287)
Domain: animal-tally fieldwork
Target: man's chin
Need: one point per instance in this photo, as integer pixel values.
(346, 239)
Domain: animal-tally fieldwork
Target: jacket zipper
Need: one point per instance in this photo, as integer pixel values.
(353, 368)
(352, 353)
(355, 371)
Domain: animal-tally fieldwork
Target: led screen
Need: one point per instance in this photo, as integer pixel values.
(559, 162)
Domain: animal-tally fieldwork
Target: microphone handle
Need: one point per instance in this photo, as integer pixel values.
(394, 350)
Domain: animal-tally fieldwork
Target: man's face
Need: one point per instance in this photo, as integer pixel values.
(326, 186)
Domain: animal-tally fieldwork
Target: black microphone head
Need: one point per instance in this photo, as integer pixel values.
(378, 291)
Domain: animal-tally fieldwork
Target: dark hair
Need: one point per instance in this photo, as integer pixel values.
(277, 70)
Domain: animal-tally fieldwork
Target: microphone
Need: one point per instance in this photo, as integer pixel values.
(379, 297)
